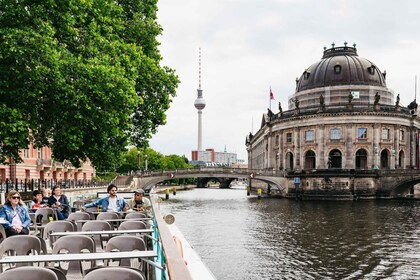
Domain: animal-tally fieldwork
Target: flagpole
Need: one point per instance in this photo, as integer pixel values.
(270, 98)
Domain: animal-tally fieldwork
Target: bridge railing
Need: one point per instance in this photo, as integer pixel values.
(240, 171)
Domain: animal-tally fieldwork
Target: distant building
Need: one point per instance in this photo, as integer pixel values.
(38, 165)
(210, 157)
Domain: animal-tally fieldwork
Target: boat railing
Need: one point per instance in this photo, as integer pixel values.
(168, 254)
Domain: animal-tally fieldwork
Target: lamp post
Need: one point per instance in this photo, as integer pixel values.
(145, 162)
(138, 160)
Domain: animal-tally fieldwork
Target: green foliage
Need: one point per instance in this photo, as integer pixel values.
(155, 161)
(82, 76)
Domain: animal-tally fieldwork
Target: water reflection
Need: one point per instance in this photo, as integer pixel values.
(239, 237)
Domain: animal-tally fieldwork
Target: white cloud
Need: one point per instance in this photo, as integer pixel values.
(248, 46)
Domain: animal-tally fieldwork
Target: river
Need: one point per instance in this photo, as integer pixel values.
(241, 237)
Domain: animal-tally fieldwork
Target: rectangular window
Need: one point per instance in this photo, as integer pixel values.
(310, 135)
(289, 137)
(401, 135)
(362, 133)
(40, 153)
(25, 153)
(335, 133)
(385, 134)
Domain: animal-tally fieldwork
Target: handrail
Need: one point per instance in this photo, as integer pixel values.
(177, 269)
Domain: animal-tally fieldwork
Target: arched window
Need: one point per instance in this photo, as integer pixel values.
(401, 159)
(289, 160)
(361, 159)
(310, 160)
(385, 159)
(337, 69)
(334, 159)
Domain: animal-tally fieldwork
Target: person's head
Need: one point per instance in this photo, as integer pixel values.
(56, 191)
(112, 190)
(13, 198)
(47, 192)
(37, 195)
(138, 194)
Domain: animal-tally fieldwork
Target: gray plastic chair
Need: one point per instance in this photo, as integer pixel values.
(45, 215)
(126, 243)
(58, 272)
(56, 226)
(28, 273)
(112, 273)
(132, 225)
(74, 244)
(135, 215)
(20, 245)
(97, 225)
(2, 233)
(76, 216)
(107, 216)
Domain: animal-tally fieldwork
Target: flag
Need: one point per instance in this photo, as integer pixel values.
(271, 95)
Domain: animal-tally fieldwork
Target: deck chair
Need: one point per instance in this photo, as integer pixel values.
(43, 217)
(97, 225)
(2, 233)
(73, 217)
(132, 225)
(20, 245)
(74, 244)
(112, 273)
(109, 216)
(28, 273)
(135, 215)
(91, 211)
(56, 226)
(126, 243)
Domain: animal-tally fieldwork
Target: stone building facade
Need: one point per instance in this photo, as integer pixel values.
(341, 119)
(38, 165)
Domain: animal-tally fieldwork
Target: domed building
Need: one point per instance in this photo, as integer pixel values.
(342, 128)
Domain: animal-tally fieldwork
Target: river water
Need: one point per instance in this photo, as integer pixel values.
(241, 237)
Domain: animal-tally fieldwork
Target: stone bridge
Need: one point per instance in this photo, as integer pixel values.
(358, 183)
(224, 175)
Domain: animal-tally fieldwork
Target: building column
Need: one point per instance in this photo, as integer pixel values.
(375, 143)
(349, 162)
(281, 155)
(297, 149)
(321, 153)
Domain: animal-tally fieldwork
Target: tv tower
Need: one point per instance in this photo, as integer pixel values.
(199, 103)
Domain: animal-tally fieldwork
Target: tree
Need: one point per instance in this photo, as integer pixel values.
(83, 77)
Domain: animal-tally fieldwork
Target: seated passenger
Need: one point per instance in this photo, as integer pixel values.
(139, 202)
(38, 201)
(111, 203)
(15, 215)
(60, 202)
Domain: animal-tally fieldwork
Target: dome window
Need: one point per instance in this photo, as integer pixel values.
(337, 69)
(371, 69)
(306, 75)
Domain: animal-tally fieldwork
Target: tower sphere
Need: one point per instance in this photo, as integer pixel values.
(200, 103)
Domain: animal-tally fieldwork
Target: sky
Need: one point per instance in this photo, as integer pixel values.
(248, 46)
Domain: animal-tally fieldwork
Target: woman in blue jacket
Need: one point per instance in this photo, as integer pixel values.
(15, 215)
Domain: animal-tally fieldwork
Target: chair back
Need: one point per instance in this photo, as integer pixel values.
(45, 214)
(20, 245)
(97, 225)
(74, 244)
(28, 273)
(107, 216)
(125, 243)
(73, 217)
(56, 226)
(135, 215)
(132, 225)
(61, 275)
(112, 273)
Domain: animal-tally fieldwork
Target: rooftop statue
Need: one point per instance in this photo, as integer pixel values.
(350, 96)
(397, 103)
(377, 97)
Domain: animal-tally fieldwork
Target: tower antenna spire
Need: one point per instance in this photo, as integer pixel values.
(415, 88)
(199, 68)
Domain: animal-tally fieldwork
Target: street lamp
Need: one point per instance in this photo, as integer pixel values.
(138, 160)
(145, 162)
